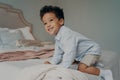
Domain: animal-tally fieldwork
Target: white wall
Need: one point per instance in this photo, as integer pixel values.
(97, 19)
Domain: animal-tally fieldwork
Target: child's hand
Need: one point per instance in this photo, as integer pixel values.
(47, 62)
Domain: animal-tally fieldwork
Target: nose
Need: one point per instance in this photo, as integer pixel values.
(48, 25)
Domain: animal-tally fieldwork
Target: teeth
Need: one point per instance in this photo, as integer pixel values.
(50, 29)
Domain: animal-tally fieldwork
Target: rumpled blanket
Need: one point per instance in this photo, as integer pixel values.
(32, 43)
(50, 72)
(24, 55)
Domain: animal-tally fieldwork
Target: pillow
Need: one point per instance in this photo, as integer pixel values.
(0, 43)
(26, 32)
(2, 31)
(9, 38)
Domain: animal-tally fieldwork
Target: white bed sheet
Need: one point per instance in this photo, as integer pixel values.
(9, 69)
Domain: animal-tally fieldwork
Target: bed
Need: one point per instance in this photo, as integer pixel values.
(12, 25)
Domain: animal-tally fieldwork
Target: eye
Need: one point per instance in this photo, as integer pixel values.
(51, 20)
(44, 23)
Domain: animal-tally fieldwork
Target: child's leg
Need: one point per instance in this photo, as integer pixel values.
(87, 64)
(88, 69)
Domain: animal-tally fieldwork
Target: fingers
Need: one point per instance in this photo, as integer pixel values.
(47, 62)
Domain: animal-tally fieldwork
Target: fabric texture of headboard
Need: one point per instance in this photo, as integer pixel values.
(11, 17)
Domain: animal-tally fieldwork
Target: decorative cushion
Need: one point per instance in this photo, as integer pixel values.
(26, 31)
(9, 38)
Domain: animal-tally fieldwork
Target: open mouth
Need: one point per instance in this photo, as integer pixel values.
(50, 29)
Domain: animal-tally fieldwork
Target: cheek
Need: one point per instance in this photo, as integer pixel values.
(46, 29)
(56, 30)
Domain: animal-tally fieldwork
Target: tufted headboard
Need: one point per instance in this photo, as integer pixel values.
(11, 17)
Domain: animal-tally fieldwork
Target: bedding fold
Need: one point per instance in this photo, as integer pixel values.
(25, 55)
(50, 72)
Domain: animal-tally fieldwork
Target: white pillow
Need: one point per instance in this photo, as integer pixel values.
(3, 29)
(9, 38)
(26, 32)
(1, 43)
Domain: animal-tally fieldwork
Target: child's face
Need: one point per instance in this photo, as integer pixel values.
(52, 23)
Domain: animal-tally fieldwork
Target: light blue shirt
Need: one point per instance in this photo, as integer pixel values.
(70, 46)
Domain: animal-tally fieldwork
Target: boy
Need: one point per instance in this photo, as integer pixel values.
(70, 46)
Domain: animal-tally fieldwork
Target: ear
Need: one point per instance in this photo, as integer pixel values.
(61, 21)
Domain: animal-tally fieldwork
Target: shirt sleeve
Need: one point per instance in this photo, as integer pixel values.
(69, 48)
(57, 57)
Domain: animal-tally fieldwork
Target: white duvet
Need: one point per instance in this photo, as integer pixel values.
(8, 72)
(49, 72)
(32, 70)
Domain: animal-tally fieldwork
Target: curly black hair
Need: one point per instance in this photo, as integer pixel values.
(54, 9)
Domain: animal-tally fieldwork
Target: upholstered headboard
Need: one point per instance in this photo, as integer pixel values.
(11, 17)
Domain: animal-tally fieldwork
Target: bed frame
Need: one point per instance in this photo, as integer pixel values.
(11, 17)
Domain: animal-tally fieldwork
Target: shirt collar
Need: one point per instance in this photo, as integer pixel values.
(58, 36)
